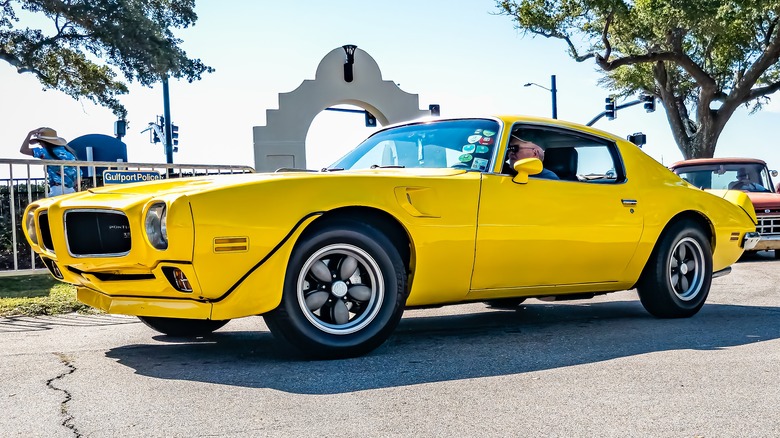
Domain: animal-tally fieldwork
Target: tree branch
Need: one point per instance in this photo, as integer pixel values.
(743, 91)
(770, 31)
(763, 91)
(20, 67)
(604, 33)
(669, 101)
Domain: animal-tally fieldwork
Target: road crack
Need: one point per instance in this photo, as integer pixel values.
(68, 420)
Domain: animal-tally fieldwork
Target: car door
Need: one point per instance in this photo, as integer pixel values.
(558, 232)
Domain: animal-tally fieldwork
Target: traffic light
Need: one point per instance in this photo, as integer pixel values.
(120, 128)
(175, 134)
(609, 109)
(649, 102)
(370, 120)
(435, 109)
(638, 138)
(155, 137)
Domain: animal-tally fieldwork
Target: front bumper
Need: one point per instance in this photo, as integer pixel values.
(766, 242)
(751, 240)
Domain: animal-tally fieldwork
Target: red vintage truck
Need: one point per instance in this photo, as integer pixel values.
(747, 174)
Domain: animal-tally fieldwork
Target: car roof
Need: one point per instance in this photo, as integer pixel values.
(726, 160)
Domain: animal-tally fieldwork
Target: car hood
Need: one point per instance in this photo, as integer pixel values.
(215, 182)
(762, 201)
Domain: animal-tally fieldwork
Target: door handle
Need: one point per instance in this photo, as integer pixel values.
(629, 202)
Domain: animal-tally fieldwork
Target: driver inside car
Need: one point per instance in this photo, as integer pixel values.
(519, 149)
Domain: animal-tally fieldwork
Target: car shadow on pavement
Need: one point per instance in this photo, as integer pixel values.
(484, 343)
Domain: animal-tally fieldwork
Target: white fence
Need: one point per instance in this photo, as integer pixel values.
(24, 181)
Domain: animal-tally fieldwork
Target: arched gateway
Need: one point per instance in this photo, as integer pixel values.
(346, 75)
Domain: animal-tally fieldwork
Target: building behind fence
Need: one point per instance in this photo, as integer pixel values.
(24, 181)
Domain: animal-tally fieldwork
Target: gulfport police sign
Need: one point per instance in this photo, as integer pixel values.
(129, 176)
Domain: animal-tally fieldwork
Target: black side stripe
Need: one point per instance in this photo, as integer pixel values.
(268, 256)
(238, 283)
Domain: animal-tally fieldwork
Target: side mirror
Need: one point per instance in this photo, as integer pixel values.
(526, 167)
(773, 173)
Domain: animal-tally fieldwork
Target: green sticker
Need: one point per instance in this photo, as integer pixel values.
(481, 149)
(465, 158)
(487, 133)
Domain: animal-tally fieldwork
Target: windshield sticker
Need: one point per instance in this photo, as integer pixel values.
(487, 133)
(486, 140)
(469, 148)
(481, 149)
(479, 164)
(474, 138)
(465, 158)
(478, 131)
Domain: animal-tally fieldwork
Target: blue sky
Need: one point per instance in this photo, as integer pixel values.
(460, 55)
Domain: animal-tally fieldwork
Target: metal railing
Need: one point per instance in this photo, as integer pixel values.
(25, 181)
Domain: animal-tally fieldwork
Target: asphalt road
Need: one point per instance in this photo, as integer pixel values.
(597, 368)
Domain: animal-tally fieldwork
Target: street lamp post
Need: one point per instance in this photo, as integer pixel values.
(553, 91)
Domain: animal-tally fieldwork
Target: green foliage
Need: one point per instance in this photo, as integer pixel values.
(688, 53)
(87, 41)
(38, 295)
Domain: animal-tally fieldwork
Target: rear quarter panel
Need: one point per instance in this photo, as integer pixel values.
(664, 197)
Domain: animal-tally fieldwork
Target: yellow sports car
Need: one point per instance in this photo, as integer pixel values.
(425, 213)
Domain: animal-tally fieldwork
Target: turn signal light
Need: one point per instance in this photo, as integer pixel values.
(177, 278)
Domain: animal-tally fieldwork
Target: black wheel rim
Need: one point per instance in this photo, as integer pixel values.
(340, 289)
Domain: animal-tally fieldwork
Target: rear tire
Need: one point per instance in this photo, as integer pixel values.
(180, 327)
(677, 277)
(344, 292)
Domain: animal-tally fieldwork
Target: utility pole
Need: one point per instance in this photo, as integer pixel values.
(167, 122)
(554, 92)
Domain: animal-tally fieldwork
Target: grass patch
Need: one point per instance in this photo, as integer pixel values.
(34, 295)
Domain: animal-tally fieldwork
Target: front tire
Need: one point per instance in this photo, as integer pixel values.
(344, 292)
(677, 278)
(180, 327)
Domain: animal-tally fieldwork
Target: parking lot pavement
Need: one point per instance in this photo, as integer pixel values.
(601, 367)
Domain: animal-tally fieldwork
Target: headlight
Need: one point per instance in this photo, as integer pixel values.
(156, 230)
(29, 223)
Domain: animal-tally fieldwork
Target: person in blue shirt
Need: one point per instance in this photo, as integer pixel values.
(61, 179)
(520, 149)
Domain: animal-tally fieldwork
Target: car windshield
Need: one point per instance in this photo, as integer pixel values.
(749, 177)
(466, 144)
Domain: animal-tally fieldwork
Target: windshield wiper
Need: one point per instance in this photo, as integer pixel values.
(389, 166)
(331, 169)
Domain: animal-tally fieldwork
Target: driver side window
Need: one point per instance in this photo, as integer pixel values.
(575, 156)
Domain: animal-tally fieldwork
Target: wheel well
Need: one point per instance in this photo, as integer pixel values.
(699, 219)
(383, 221)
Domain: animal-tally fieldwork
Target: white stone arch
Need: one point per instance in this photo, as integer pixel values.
(281, 142)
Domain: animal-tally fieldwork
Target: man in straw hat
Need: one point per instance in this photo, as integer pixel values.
(61, 179)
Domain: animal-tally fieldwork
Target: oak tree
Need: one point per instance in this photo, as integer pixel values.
(702, 58)
(81, 47)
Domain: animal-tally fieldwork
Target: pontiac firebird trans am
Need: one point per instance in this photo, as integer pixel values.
(424, 213)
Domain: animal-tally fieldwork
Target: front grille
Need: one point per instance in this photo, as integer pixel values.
(43, 223)
(768, 225)
(101, 233)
